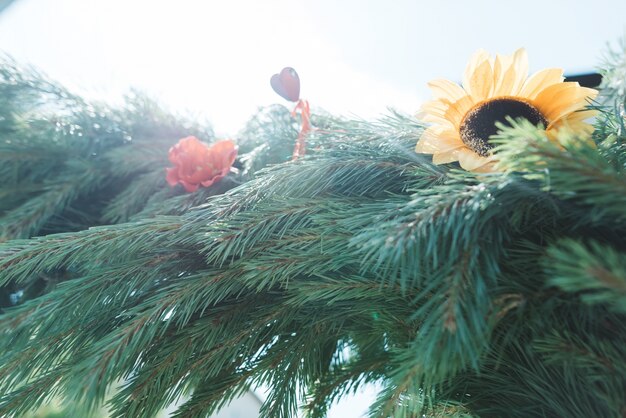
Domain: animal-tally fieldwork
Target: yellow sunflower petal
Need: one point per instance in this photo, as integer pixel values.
(561, 99)
(587, 96)
(435, 112)
(487, 168)
(475, 60)
(509, 73)
(577, 122)
(520, 63)
(433, 107)
(583, 115)
(447, 156)
(446, 89)
(471, 161)
(503, 75)
(457, 111)
(435, 139)
(479, 84)
(540, 81)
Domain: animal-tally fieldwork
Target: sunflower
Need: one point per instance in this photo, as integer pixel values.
(465, 117)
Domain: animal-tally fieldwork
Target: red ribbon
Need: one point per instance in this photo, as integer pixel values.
(305, 113)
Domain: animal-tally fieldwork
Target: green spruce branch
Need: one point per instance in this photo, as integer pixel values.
(458, 294)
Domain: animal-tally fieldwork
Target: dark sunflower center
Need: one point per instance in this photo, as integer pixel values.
(480, 123)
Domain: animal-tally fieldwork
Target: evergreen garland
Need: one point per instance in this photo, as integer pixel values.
(460, 294)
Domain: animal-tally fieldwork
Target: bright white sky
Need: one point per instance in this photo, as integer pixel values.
(215, 58)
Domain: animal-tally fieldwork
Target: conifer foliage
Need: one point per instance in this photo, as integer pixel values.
(460, 294)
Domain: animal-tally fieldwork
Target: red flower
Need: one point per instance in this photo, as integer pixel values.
(196, 163)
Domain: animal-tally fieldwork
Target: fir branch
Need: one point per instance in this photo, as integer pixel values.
(134, 197)
(361, 262)
(28, 218)
(571, 168)
(596, 273)
(50, 139)
(94, 246)
(613, 69)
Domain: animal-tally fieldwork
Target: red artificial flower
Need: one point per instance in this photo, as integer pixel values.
(196, 163)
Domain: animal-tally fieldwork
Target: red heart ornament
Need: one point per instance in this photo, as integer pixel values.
(287, 84)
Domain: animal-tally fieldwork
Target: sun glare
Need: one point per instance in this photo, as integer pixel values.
(213, 59)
